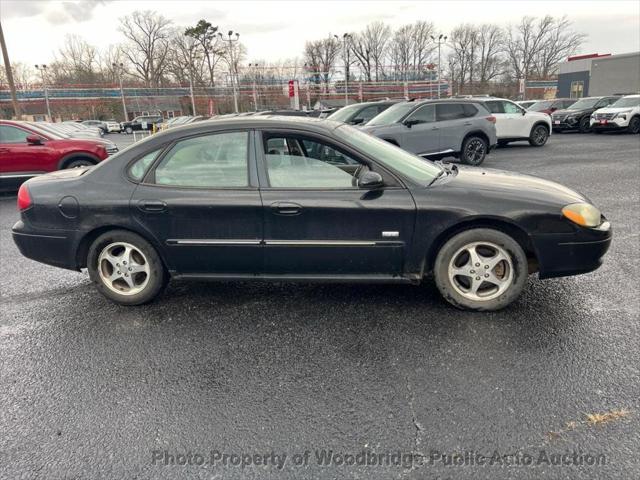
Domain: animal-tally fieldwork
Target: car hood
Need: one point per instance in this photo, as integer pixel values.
(509, 185)
(568, 111)
(614, 110)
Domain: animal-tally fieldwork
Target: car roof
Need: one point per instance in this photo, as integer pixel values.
(258, 121)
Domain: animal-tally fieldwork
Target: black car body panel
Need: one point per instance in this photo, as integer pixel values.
(257, 231)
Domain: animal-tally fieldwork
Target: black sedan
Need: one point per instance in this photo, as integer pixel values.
(303, 199)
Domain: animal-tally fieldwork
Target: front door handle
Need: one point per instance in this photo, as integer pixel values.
(4, 150)
(152, 206)
(286, 208)
(434, 128)
(468, 123)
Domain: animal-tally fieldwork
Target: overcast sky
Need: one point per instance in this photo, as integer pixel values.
(273, 30)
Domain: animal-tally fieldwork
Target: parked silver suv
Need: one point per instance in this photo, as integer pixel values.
(463, 129)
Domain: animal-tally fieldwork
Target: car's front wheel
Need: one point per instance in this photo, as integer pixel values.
(585, 125)
(128, 130)
(474, 150)
(79, 162)
(634, 125)
(538, 136)
(481, 269)
(125, 268)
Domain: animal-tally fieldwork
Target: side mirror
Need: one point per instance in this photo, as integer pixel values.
(34, 140)
(357, 121)
(370, 180)
(410, 123)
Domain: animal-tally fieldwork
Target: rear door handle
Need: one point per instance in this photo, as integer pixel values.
(286, 208)
(152, 206)
(434, 128)
(4, 150)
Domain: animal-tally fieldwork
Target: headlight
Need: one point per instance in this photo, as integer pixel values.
(584, 214)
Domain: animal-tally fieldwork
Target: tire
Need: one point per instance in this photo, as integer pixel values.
(148, 277)
(585, 125)
(634, 125)
(79, 162)
(491, 246)
(538, 136)
(474, 150)
(128, 130)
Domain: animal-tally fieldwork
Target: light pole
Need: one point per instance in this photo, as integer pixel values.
(345, 56)
(43, 69)
(441, 39)
(120, 68)
(255, 88)
(232, 65)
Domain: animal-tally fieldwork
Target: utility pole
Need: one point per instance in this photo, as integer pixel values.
(255, 88)
(232, 65)
(345, 55)
(7, 66)
(43, 69)
(441, 39)
(120, 68)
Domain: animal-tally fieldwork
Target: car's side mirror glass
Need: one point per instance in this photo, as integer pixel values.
(411, 123)
(34, 140)
(357, 121)
(370, 180)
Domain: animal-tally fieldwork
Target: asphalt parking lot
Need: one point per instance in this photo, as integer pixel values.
(89, 389)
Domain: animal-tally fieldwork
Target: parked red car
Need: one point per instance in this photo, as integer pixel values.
(26, 151)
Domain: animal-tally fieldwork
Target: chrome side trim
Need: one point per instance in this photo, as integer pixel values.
(321, 243)
(390, 234)
(205, 241)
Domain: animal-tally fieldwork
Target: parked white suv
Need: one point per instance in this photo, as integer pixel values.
(624, 114)
(514, 123)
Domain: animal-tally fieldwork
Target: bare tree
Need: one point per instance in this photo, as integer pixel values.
(411, 49)
(561, 41)
(463, 56)
(490, 49)
(79, 59)
(370, 49)
(185, 60)
(148, 34)
(320, 57)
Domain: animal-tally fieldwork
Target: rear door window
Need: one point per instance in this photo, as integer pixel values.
(217, 160)
(495, 106)
(450, 111)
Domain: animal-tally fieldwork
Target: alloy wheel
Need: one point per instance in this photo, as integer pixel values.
(123, 268)
(481, 271)
(540, 135)
(475, 150)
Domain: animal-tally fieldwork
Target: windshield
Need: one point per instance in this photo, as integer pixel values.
(419, 170)
(344, 113)
(393, 114)
(584, 103)
(48, 130)
(626, 102)
(538, 106)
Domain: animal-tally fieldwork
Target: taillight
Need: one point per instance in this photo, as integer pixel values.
(490, 118)
(24, 199)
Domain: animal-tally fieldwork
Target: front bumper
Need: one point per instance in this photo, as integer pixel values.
(565, 125)
(52, 247)
(613, 124)
(564, 254)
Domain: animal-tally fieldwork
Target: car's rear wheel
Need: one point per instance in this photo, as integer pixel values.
(125, 268)
(481, 269)
(538, 136)
(634, 125)
(585, 125)
(474, 150)
(128, 130)
(79, 162)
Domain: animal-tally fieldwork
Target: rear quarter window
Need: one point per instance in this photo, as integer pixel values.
(139, 168)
